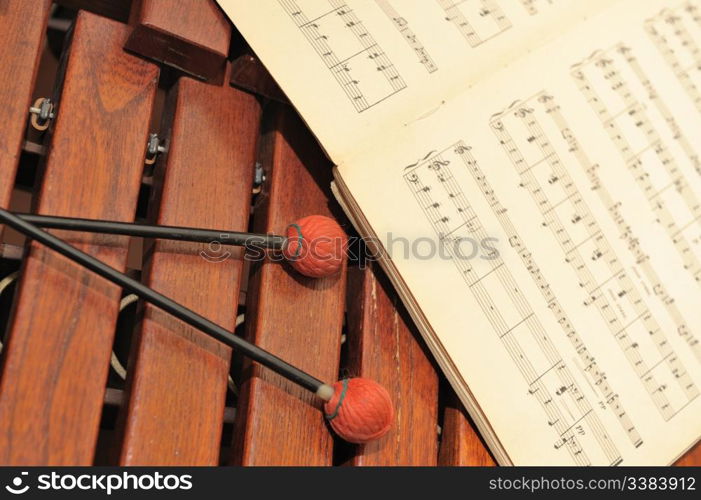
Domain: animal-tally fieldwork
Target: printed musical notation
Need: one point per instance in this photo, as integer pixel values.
(357, 62)
(477, 20)
(642, 259)
(403, 27)
(661, 105)
(596, 375)
(532, 6)
(577, 427)
(677, 34)
(607, 81)
(604, 281)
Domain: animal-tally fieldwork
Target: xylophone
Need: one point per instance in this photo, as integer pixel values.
(90, 374)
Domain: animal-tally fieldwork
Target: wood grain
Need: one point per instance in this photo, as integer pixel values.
(22, 28)
(248, 73)
(60, 336)
(114, 9)
(191, 35)
(178, 383)
(296, 318)
(691, 458)
(383, 346)
(460, 443)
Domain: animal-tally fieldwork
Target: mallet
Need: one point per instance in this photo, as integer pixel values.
(358, 409)
(314, 245)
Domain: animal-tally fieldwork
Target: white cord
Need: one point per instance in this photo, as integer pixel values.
(5, 283)
(114, 360)
(117, 365)
(232, 386)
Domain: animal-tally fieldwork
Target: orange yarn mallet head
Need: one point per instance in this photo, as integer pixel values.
(315, 246)
(360, 410)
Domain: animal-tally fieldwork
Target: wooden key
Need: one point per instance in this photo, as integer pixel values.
(114, 9)
(22, 29)
(191, 35)
(460, 443)
(691, 458)
(177, 386)
(248, 73)
(382, 346)
(295, 317)
(60, 336)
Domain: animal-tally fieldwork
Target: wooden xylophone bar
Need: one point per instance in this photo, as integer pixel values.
(60, 402)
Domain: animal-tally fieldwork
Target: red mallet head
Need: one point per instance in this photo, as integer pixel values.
(315, 246)
(360, 410)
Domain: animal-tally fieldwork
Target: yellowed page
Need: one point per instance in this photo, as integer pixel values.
(356, 68)
(547, 223)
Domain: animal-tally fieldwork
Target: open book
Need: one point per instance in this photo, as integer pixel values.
(529, 171)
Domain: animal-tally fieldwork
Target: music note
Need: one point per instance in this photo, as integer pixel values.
(642, 164)
(616, 294)
(412, 40)
(452, 217)
(532, 6)
(346, 60)
(477, 21)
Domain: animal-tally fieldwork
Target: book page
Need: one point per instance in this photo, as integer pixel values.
(354, 68)
(546, 229)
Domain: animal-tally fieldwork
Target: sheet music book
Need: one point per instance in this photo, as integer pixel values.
(530, 172)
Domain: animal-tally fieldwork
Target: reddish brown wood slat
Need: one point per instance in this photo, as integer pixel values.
(178, 384)
(22, 27)
(115, 9)
(691, 458)
(296, 318)
(60, 337)
(382, 346)
(462, 446)
(248, 73)
(192, 35)
(460, 442)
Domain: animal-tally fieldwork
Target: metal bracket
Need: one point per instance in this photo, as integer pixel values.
(258, 177)
(154, 147)
(42, 113)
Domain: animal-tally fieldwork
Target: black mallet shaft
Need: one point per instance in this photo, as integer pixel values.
(181, 312)
(224, 237)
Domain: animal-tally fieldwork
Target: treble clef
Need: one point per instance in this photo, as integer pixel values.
(461, 149)
(438, 164)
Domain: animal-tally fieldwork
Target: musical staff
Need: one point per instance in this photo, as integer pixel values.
(357, 62)
(671, 31)
(661, 105)
(604, 281)
(593, 371)
(578, 430)
(656, 172)
(642, 259)
(403, 27)
(532, 6)
(477, 20)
